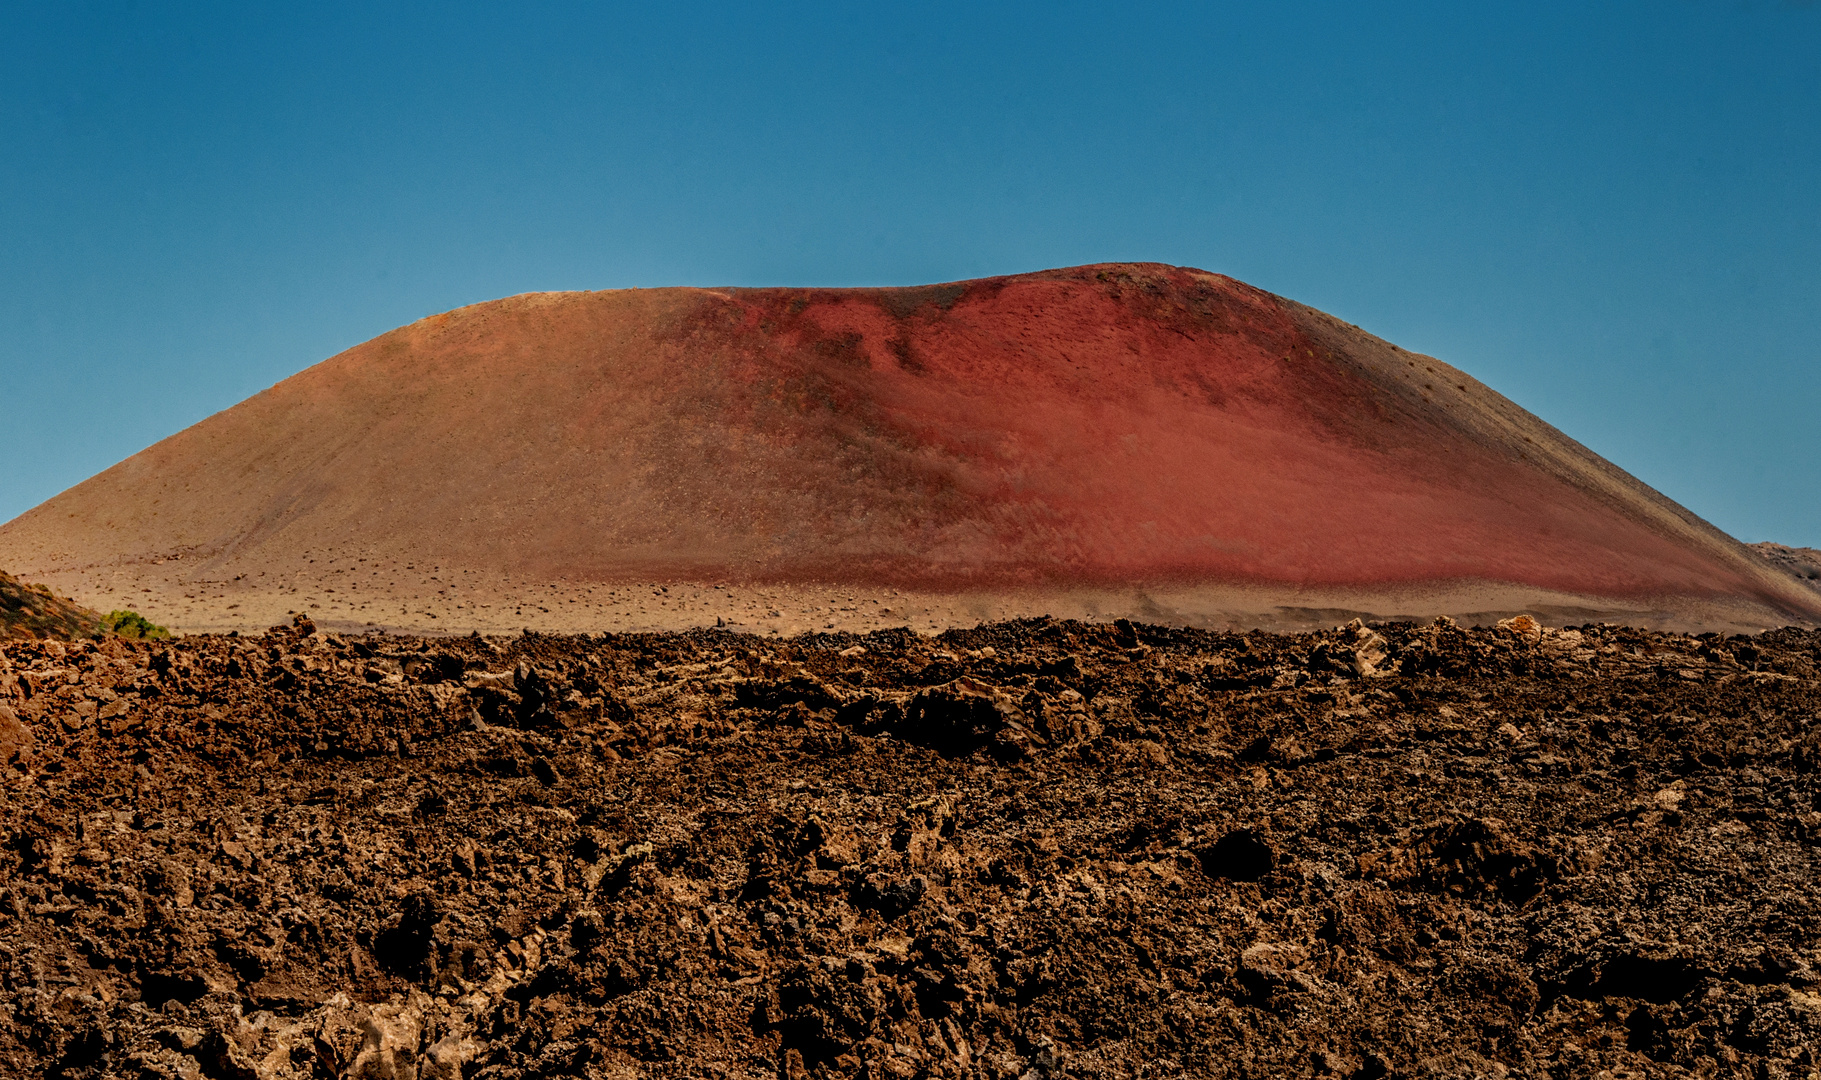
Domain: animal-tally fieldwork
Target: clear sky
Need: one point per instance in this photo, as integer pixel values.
(1609, 212)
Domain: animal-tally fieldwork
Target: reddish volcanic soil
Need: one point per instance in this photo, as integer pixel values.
(998, 447)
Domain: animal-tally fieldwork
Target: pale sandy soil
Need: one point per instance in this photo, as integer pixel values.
(351, 593)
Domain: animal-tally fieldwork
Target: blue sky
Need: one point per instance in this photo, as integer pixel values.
(1611, 213)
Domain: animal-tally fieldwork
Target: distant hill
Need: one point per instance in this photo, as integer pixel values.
(1113, 426)
(1802, 563)
(33, 611)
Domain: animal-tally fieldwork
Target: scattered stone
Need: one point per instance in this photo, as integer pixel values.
(15, 738)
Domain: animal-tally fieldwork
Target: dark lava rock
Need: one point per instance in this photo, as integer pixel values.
(1035, 849)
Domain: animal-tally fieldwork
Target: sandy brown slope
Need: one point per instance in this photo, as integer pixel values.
(1801, 563)
(33, 611)
(1101, 440)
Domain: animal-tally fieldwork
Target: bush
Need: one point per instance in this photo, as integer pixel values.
(131, 624)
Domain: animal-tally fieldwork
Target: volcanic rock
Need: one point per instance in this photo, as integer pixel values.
(1587, 852)
(15, 738)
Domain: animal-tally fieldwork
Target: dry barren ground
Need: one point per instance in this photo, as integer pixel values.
(351, 591)
(1034, 849)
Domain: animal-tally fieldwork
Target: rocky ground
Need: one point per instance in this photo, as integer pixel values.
(1032, 850)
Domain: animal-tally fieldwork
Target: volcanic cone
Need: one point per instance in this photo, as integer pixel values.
(1141, 437)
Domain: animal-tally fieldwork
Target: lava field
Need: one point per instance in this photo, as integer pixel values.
(1028, 850)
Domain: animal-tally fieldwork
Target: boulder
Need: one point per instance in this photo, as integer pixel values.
(15, 738)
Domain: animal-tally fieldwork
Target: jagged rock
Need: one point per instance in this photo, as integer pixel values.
(958, 718)
(1523, 627)
(1370, 650)
(1226, 854)
(15, 738)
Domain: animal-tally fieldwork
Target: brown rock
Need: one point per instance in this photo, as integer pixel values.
(1370, 649)
(15, 738)
(1524, 627)
(1323, 873)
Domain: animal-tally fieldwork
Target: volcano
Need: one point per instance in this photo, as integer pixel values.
(1160, 437)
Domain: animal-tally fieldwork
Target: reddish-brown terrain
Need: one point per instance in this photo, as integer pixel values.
(1102, 440)
(1802, 563)
(33, 611)
(1025, 851)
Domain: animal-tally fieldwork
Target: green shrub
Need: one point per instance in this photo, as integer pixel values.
(131, 624)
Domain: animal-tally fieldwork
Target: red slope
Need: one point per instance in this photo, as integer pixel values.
(1099, 425)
